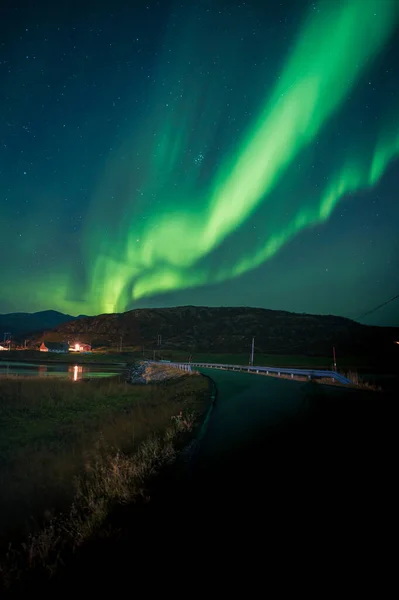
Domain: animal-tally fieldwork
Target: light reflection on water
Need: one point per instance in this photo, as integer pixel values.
(77, 370)
(74, 372)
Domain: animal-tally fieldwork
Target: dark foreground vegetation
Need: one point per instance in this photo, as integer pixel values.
(70, 452)
(315, 487)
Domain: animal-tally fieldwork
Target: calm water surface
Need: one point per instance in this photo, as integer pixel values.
(74, 372)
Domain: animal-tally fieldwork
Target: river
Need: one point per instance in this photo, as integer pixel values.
(75, 372)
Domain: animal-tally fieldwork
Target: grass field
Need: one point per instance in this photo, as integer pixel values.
(270, 360)
(76, 448)
(174, 355)
(344, 363)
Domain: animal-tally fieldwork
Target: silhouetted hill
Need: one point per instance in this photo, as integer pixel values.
(229, 329)
(27, 323)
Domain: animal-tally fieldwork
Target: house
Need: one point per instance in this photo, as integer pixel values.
(59, 347)
(79, 347)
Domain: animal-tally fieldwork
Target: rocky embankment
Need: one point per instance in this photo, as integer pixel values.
(146, 372)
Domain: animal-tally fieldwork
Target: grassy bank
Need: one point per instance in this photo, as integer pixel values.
(76, 449)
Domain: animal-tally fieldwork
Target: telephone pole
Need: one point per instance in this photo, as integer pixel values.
(252, 352)
(7, 338)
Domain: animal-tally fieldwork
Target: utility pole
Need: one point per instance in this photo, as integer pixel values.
(335, 360)
(159, 340)
(120, 345)
(252, 351)
(7, 338)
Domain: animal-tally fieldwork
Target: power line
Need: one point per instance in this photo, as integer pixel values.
(376, 308)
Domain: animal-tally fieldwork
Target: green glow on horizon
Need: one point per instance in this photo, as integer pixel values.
(151, 252)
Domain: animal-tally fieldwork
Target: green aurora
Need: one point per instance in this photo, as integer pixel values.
(333, 49)
(132, 250)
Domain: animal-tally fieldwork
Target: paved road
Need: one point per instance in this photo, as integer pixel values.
(255, 453)
(277, 472)
(248, 407)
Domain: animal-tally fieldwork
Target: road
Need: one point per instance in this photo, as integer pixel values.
(284, 466)
(247, 408)
(279, 455)
(257, 451)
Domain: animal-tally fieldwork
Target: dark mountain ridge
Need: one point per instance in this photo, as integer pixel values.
(21, 323)
(228, 329)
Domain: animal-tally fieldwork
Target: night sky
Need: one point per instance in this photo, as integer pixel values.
(208, 152)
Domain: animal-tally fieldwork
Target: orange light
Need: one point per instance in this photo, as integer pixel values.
(77, 348)
(75, 373)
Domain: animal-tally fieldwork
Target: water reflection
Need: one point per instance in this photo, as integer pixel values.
(77, 372)
(42, 371)
(73, 372)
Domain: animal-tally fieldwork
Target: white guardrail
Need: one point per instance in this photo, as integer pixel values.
(309, 373)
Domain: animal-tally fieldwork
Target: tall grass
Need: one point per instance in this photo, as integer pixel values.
(357, 380)
(68, 451)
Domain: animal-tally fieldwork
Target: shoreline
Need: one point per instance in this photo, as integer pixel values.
(64, 362)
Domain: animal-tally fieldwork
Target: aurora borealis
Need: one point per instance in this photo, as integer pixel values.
(219, 152)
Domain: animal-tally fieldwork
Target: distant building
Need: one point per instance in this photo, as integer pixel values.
(79, 347)
(59, 347)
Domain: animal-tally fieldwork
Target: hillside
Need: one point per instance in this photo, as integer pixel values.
(228, 329)
(18, 324)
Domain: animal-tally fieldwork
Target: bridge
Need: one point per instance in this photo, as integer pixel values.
(309, 373)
